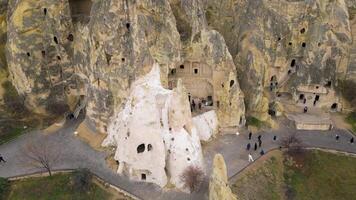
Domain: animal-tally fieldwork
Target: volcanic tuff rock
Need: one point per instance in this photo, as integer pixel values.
(291, 42)
(38, 52)
(154, 133)
(219, 186)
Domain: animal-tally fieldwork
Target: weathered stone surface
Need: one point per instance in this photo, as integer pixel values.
(205, 51)
(266, 37)
(38, 56)
(154, 133)
(219, 187)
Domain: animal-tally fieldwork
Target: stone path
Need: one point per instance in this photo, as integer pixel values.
(76, 154)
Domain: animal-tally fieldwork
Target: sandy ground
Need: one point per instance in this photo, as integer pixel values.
(92, 138)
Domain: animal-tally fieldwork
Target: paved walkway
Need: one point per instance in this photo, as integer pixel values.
(76, 153)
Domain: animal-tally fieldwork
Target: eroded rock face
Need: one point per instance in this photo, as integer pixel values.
(38, 53)
(290, 43)
(3, 33)
(120, 43)
(154, 133)
(208, 71)
(219, 185)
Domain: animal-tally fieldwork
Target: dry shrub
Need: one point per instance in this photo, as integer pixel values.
(192, 177)
(291, 142)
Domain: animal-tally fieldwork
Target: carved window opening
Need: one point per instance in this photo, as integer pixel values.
(143, 177)
(289, 72)
(55, 39)
(45, 11)
(292, 64)
(290, 43)
(301, 96)
(232, 82)
(304, 44)
(128, 26)
(59, 58)
(173, 71)
(196, 71)
(149, 147)
(28, 54)
(181, 66)
(328, 84)
(123, 59)
(70, 37)
(141, 148)
(302, 31)
(334, 106)
(43, 53)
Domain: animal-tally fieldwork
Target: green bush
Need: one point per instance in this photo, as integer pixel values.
(82, 179)
(253, 121)
(351, 119)
(4, 187)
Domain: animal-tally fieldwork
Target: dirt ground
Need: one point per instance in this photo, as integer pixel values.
(92, 138)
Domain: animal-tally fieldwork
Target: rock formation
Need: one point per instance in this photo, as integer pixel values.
(38, 53)
(154, 133)
(219, 187)
(66, 57)
(284, 44)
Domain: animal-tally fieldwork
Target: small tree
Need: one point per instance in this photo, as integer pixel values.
(82, 179)
(192, 177)
(40, 154)
(291, 142)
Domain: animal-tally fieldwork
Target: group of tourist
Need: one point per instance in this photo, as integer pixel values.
(257, 144)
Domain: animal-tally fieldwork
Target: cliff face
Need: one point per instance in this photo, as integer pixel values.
(290, 43)
(38, 53)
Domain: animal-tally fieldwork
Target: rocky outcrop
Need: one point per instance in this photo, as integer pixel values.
(205, 50)
(154, 133)
(3, 33)
(290, 43)
(219, 186)
(120, 43)
(38, 53)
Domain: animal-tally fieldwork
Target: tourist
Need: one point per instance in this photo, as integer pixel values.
(259, 137)
(305, 109)
(259, 143)
(255, 146)
(248, 147)
(250, 136)
(250, 158)
(275, 138)
(199, 105)
(352, 140)
(193, 104)
(337, 137)
(262, 152)
(2, 159)
(305, 101)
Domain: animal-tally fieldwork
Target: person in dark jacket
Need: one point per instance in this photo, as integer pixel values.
(248, 147)
(255, 146)
(2, 159)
